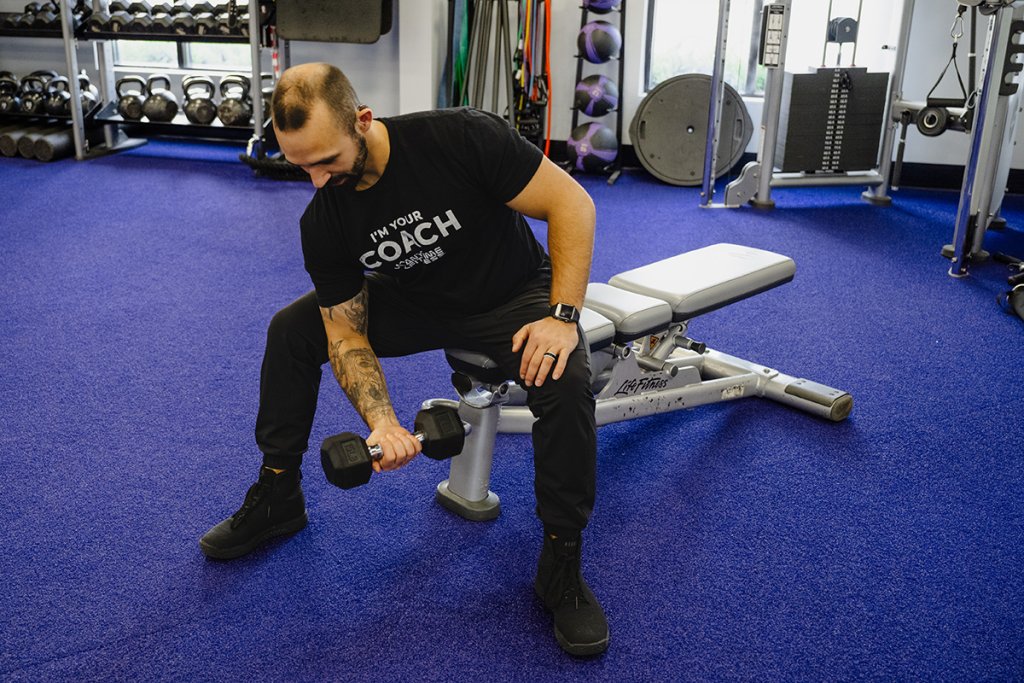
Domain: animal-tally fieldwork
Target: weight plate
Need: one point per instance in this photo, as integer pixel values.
(669, 129)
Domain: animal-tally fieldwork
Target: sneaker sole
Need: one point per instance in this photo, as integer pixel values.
(582, 649)
(576, 649)
(284, 529)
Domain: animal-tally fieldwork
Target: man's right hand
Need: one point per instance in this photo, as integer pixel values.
(398, 446)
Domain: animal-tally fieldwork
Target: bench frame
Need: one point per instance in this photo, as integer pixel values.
(650, 375)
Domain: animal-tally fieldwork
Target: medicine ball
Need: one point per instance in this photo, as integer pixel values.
(592, 146)
(599, 41)
(596, 95)
(601, 6)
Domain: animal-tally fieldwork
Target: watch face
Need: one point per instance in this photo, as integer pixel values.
(565, 312)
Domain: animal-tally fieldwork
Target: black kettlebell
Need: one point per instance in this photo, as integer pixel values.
(58, 97)
(129, 103)
(161, 105)
(235, 106)
(89, 93)
(10, 93)
(33, 94)
(199, 105)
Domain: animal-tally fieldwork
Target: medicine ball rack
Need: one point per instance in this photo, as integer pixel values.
(114, 139)
(614, 168)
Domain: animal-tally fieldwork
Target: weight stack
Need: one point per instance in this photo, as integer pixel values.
(831, 121)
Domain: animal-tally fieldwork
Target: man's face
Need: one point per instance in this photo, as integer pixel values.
(330, 156)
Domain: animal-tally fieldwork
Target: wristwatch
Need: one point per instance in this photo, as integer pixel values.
(567, 313)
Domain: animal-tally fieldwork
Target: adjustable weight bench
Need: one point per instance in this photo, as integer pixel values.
(642, 361)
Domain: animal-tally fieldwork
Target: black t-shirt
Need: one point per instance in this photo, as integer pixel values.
(435, 220)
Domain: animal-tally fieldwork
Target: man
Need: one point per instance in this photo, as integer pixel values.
(415, 240)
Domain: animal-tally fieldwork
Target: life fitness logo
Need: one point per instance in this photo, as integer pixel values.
(632, 387)
(411, 240)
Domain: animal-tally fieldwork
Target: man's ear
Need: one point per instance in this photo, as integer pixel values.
(364, 117)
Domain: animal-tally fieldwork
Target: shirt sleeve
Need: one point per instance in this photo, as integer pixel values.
(336, 275)
(502, 160)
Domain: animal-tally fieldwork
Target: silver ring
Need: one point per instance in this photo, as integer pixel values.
(551, 355)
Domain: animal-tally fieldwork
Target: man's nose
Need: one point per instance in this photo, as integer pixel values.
(319, 177)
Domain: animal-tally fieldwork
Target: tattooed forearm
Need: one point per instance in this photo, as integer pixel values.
(352, 311)
(359, 373)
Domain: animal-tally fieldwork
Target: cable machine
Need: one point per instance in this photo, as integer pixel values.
(845, 151)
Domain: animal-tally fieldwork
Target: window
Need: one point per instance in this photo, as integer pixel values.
(164, 55)
(682, 38)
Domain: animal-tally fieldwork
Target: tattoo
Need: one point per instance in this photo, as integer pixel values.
(352, 311)
(359, 373)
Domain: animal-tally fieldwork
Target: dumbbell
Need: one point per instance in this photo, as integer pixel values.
(183, 23)
(97, 22)
(141, 22)
(206, 24)
(348, 460)
(162, 23)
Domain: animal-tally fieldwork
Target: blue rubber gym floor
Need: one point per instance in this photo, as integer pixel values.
(739, 541)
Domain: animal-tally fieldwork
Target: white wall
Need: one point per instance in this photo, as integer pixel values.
(401, 72)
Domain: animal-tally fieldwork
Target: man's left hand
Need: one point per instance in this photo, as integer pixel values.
(546, 346)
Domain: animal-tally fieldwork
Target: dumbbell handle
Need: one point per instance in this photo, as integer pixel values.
(376, 452)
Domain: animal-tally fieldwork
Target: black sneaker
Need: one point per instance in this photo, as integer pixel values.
(274, 506)
(580, 624)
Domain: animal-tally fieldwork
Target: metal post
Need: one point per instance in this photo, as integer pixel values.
(965, 221)
(770, 117)
(860, 8)
(715, 109)
(880, 193)
(71, 58)
(256, 85)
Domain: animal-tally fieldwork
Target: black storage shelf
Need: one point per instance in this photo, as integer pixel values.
(171, 37)
(17, 116)
(28, 32)
(25, 120)
(179, 126)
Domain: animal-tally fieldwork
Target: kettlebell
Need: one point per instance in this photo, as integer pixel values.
(129, 103)
(10, 97)
(58, 97)
(33, 93)
(161, 105)
(199, 106)
(235, 106)
(89, 93)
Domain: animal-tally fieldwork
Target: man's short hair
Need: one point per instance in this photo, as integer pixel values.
(294, 98)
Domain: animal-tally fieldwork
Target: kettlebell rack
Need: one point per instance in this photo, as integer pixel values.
(82, 23)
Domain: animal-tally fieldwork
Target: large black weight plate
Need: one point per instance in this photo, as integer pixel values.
(331, 21)
(670, 128)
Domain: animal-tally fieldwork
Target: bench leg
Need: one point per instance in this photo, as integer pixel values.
(465, 492)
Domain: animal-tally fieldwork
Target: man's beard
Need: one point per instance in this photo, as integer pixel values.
(352, 178)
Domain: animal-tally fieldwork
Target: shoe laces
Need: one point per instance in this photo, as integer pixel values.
(253, 497)
(566, 577)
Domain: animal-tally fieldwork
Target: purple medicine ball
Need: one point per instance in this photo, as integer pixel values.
(596, 95)
(599, 41)
(592, 147)
(601, 6)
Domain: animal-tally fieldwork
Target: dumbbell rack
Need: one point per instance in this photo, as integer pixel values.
(114, 138)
